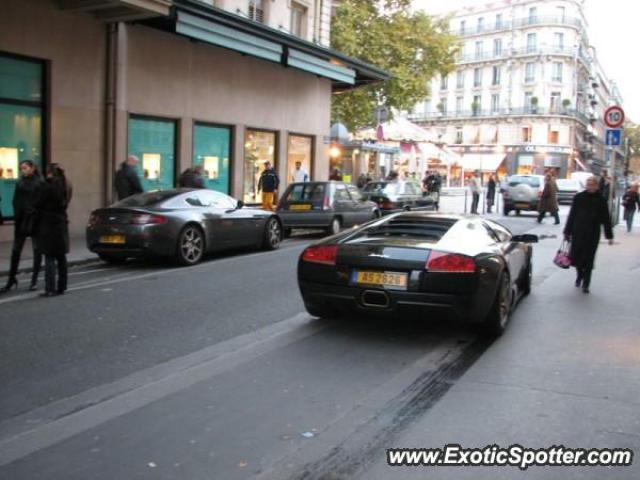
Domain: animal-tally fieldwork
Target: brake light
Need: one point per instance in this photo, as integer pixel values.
(450, 263)
(324, 254)
(326, 203)
(387, 205)
(147, 219)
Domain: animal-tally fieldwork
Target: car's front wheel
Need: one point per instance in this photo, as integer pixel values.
(190, 245)
(498, 316)
(272, 234)
(334, 226)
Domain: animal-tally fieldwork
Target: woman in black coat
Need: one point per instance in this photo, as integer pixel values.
(588, 212)
(53, 231)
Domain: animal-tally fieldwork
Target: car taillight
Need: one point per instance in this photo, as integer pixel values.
(327, 203)
(147, 219)
(324, 254)
(387, 205)
(450, 263)
(94, 220)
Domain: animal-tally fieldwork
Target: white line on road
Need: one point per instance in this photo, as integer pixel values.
(53, 423)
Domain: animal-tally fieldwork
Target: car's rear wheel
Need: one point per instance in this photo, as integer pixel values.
(528, 278)
(190, 245)
(112, 259)
(272, 234)
(517, 212)
(506, 212)
(498, 316)
(334, 226)
(376, 214)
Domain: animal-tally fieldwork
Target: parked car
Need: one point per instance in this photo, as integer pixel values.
(522, 192)
(329, 205)
(180, 223)
(398, 196)
(567, 189)
(419, 262)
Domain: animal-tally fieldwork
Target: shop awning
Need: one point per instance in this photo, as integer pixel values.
(218, 27)
(484, 162)
(397, 130)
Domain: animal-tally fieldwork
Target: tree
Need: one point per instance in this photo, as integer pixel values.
(632, 132)
(411, 46)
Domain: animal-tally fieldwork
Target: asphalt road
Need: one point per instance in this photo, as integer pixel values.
(213, 371)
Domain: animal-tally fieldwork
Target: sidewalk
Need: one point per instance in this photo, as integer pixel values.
(78, 254)
(566, 372)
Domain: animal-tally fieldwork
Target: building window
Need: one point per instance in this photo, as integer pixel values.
(211, 147)
(442, 106)
(458, 135)
(556, 72)
(479, 48)
(497, 47)
(256, 10)
(498, 21)
(463, 26)
(459, 105)
(526, 134)
(558, 42)
(554, 136)
(477, 77)
(480, 24)
(21, 122)
(259, 147)
(476, 106)
(495, 103)
(533, 15)
(554, 104)
(298, 20)
(444, 82)
(496, 73)
(460, 79)
(153, 141)
(561, 14)
(530, 72)
(532, 42)
(299, 149)
(528, 103)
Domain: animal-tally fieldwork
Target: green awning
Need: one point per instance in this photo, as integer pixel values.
(222, 36)
(323, 68)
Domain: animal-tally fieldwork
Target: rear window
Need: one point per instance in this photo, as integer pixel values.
(566, 183)
(307, 192)
(382, 188)
(146, 199)
(414, 227)
(518, 180)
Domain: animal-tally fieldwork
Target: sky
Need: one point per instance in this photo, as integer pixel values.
(612, 31)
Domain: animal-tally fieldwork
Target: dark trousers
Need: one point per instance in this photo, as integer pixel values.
(628, 216)
(555, 216)
(50, 264)
(474, 202)
(16, 251)
(584, 276)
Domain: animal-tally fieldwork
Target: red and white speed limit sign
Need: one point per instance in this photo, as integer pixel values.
(614, 117)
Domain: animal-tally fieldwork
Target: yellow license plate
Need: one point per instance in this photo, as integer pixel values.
(383, 279)
(300, 207)
(113, 239)
(522, 205)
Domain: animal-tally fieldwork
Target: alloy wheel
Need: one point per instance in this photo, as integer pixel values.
(191, 245)
(274, 233)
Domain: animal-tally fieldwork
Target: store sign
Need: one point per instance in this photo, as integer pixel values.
(553, 162)
(545, 149)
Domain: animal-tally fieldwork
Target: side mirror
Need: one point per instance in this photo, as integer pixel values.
(239, 205)
(525, 238)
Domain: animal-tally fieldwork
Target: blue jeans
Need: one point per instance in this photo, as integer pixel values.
(628, 216)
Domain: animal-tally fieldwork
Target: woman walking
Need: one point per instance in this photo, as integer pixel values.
(630, 201)
(491, 192)
(588, 212)
(28, 190)
(549, 199)
(53, 231)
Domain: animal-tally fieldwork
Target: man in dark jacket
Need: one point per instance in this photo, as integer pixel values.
(127, 181)
(191, 178)
(491, 193)
(268, 184)
(28, 191)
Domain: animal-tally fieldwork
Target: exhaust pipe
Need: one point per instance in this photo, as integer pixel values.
(375, 298)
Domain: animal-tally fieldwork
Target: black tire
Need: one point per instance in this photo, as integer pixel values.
(287, 232)
(272, 236)
(376, 214)
(498, 317)
(518, 212)
(506, 212)
(334, 226)
(527, 280)
(190, 247)
(407, 208)
(112, 259)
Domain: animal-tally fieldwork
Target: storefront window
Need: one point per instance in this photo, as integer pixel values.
(259, 147)
(300, 150)
(153, 142)
(211, 150)
(21, 129)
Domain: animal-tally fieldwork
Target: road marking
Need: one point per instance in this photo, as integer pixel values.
(48, 425)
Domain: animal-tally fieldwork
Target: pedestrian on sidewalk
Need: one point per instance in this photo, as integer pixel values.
(476, 189)
(268, 184)
(299, 175)
(549, 199)
(53, 231)
(28, 190)
(191, 178)
(588, 213)
(491, 193)
(127, 182)
(630, 201)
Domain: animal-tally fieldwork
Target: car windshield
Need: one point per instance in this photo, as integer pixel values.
(416, 227)
(306, 192)
(523, 180)
(382, 188)
(146, 199)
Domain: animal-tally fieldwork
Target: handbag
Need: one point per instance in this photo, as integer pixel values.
(562, 258)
